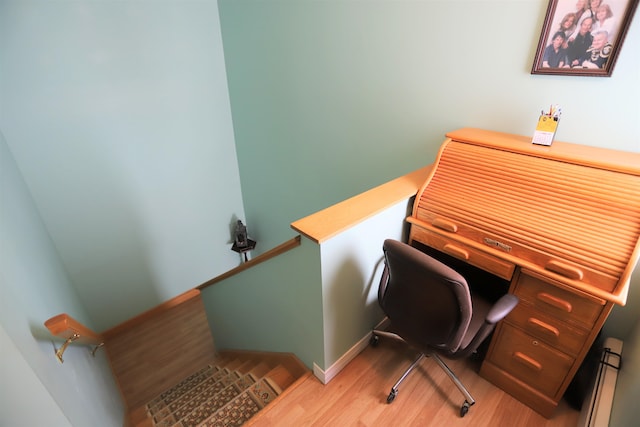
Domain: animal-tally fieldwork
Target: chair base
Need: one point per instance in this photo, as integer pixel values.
(469, 400)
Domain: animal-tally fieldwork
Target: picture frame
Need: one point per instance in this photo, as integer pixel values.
(583, 37)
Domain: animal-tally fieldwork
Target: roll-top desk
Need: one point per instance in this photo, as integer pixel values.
(561, 224)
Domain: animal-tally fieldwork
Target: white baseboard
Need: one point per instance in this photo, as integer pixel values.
(339, 365)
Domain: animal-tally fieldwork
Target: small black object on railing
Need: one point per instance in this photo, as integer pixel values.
(242, 244)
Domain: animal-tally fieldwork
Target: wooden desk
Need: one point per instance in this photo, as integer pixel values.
(560, 223)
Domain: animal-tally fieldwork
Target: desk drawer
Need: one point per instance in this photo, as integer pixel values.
(463, 252)
(530, 360)
(567, 306)
(548, 329)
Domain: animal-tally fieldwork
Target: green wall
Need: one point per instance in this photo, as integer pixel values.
(117, 113)
(330, 98)
(274, 306)
(124, 124)
(34, 286)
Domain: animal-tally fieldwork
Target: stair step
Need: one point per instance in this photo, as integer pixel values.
(229, 391)
(139, 417)
(260, 370)
(207, 406)
(176, 397)
(234, 364)
(281, 377)
(212, 393)
(244, 406)
(183, 386)
(246, 366)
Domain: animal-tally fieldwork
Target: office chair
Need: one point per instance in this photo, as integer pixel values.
(430, 308)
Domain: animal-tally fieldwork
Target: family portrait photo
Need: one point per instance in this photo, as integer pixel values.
(582, 37)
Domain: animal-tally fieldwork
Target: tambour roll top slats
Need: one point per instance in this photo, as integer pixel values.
(565, 216)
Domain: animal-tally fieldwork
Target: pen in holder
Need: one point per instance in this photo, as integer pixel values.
(547, 126)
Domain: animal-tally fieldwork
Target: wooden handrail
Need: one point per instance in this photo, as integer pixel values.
(286, 246)
(69, 329)
(327, 223)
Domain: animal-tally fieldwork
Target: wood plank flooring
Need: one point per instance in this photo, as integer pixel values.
(357, 397)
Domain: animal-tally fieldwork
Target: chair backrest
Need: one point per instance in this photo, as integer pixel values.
(428, 303)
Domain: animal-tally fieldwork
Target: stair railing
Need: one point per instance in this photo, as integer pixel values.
(272, 253)
(70, 330)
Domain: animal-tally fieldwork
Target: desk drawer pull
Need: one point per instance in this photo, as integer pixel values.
(527, 361)
(556, 302)
(565, 270)
(455, 251)
(545, 327)
(445, 225)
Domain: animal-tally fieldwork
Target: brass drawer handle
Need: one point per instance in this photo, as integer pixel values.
(455, 251)
(445, 225)
(545, 327)
(555, 302)
(527, 361)
(565, 270)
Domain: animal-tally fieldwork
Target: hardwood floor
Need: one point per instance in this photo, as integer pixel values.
(357, 397)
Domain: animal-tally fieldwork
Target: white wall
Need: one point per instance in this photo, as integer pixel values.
(351, 269)
(117, 113)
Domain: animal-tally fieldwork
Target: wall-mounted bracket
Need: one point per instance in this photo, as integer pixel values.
(93, 352)
(60, 351)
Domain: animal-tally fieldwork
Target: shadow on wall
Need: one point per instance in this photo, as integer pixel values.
(353, 302)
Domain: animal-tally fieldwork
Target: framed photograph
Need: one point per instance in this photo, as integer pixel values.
(582, 37)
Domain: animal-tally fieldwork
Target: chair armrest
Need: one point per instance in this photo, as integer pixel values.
(501, 308)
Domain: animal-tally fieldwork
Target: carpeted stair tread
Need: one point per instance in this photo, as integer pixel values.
(244, 406)
(177, 396)
(208, 407)
(203, 399)
(231, 400)
(260, 391)
(177, 390)
(227, 392)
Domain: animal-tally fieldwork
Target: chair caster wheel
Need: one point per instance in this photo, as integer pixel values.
(374, 340)
(392, 396)
(464, 409)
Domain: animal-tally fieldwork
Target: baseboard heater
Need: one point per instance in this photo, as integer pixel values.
(596, 409)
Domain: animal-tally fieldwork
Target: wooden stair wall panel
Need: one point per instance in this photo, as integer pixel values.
(579, 219)
(153, 351)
